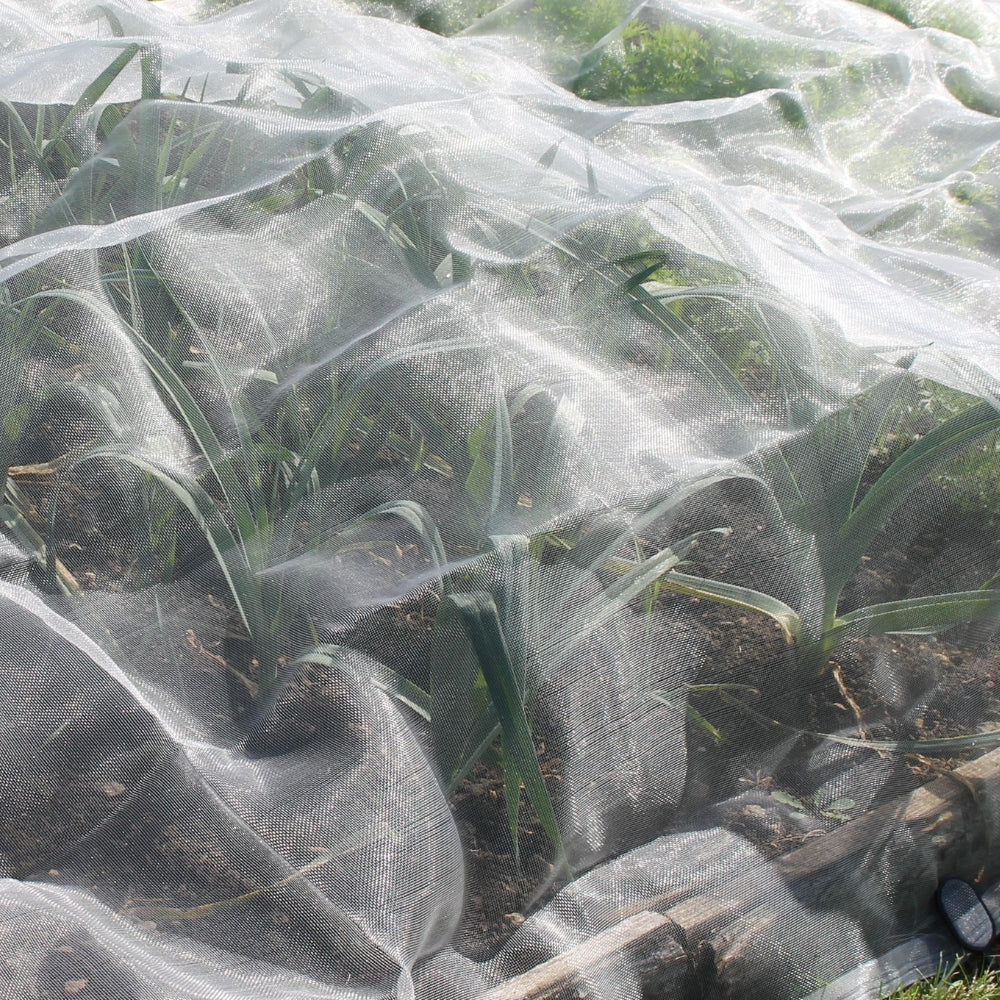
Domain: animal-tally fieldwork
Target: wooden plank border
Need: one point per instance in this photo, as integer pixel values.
(956, 817)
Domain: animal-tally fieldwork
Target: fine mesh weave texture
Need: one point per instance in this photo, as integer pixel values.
(501, 499)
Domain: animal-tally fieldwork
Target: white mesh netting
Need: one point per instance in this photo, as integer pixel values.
(501, 500)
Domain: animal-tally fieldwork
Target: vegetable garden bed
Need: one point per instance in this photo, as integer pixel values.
(504, 515)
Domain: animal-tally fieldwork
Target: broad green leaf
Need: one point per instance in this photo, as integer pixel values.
(512, 800)
(898, 481)
(856, 433)
(114, 22)
(736, 596)
(151, 63)
(420, 521)
(511, 581)
(576, 623)
(25, 142)
(490, 483)
(380, 219)
(463, 721)
(918, 614)
(690, 346)
(96, 89)
(405, 691)
(479, 615)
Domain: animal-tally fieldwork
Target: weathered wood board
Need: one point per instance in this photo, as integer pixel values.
(945, 827)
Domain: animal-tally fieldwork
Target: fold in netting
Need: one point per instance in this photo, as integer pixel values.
(500, 499)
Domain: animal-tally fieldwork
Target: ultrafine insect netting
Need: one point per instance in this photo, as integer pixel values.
(500, 500)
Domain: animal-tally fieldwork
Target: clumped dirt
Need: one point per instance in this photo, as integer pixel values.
(499, 891)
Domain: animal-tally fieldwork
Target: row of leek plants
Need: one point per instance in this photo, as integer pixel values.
(510, 605)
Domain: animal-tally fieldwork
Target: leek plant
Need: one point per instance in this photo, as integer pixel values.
(48, 144)
(525, 606)
(514, 619)
(817, 485)
(243, 503)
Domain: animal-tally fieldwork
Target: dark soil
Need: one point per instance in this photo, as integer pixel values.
(763, 759)
(499, 891)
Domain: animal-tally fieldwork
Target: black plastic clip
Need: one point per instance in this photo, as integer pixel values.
(966, 914)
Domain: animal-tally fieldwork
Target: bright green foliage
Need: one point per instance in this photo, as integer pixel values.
(981, 983)
(649, 64)
(480, 668)
(580, 22)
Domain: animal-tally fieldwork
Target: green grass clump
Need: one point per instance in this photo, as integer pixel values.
(963, 984)
(649, 64)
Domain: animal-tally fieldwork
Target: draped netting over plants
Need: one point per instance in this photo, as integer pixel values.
(500, 499)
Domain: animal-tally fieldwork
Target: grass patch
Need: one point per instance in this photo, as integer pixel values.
(963, 984)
